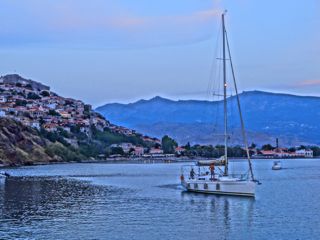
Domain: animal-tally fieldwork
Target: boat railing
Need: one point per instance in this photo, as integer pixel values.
(241, 176)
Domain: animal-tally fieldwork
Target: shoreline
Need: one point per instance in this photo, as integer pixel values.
(126, 160)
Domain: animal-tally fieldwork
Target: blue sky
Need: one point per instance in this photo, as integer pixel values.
(105, 51)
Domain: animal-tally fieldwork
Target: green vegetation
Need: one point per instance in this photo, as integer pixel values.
(34, 96)
(100, 142)
(267, 147)
(29, 86)
(109, 138)
(117, 150)
(316, 150)
(65, 153)
(53, 113)
(213, 152)
(20, 103)
(45, 94)
(168, 145)
(53, 136)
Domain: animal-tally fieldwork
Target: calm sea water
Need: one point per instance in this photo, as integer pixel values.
(145, 201)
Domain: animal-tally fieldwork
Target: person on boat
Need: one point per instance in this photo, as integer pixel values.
(192, 173)
(212, 171)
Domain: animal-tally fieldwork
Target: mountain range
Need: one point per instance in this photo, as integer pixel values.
(294, 120)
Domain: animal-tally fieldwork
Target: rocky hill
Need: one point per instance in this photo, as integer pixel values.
(22, 145)
(38, 125)
(292, 119)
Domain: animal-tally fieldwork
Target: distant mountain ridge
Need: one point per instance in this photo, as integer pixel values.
(293, 119)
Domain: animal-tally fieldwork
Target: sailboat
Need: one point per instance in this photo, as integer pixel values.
(202, 177)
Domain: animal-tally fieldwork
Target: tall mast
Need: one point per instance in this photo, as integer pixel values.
(225, 97)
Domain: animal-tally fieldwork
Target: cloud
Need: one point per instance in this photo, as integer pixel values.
(103, 22)
(71, 19)
(306, 84)
(71, 14)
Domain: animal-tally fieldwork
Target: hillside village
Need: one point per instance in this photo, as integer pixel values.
(34, 105)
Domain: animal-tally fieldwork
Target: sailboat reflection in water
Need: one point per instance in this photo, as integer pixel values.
(202, 177)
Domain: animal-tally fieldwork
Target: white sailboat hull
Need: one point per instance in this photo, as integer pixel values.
(235, 188)
(276, 165)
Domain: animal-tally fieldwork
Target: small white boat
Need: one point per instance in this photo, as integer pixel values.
(276, 165)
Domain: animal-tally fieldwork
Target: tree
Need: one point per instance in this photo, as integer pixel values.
(45, 94)
(32, 95)
(131, 151)
(75, 129)
(53, 113)
(41, 121)
(168, 144)
(316, 150)
(267, 147)
(117, 150)
(157, 145)
(20, 102)
(29, 86)
(292, 149)
(187, 146)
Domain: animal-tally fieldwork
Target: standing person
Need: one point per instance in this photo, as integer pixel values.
(212, 171)
(192, 173)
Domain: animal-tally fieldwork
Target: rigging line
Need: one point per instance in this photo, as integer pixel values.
(213, 68)
(239, 108)
(215, 85)
(217, 98)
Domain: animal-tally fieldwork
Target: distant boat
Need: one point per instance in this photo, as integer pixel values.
(276, 165)
(202, 177)
(4, 174)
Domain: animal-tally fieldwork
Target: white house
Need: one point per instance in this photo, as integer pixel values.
(138, 151)
(126, 147)
(2, 113)
(156, 151)
(35, 125)
(308, 153)
(3, 99)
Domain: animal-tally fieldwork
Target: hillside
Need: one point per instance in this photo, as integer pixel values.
(22, 145)
(38, 125)
(293, 119)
